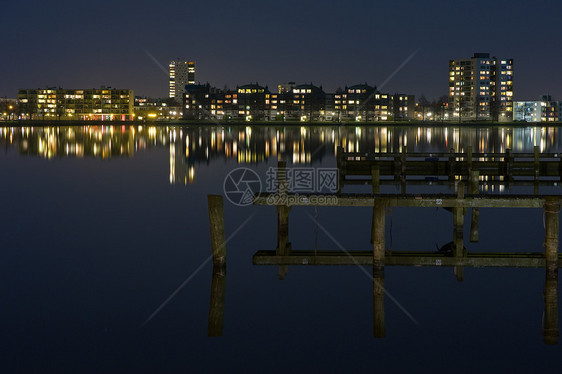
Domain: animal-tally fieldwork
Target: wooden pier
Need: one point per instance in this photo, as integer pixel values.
(524, 169)
(467, 171)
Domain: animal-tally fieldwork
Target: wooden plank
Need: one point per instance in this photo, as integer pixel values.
(402, 258)
(412, 200)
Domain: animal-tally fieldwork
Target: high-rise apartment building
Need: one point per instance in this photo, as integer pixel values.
(481, 88)
(182, 73)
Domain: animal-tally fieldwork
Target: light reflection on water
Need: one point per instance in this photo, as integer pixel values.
(143, 249)
(190, 146)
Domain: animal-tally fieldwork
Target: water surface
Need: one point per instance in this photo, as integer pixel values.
(101, 225)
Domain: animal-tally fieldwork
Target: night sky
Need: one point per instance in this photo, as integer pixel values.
(331, 43)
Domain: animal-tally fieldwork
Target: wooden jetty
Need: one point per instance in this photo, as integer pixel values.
(527, 169)
(468, 171)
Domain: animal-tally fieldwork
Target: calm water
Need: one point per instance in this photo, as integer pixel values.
(100, 227)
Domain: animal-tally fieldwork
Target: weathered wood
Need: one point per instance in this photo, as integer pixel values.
(552, 217)
(342, 166)
(283, 243)
(445, 182)
(375, 178)
(379, 330)
(452, 165)
(216, 220)
(475, 214)
(216, 308)
(458, 225)
(469, 159)
(402, 258)
(416, 200)
(550, 321)
(475, 155)
(537, 162)
(379, 233)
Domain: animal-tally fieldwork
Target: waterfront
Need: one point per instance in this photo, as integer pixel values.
(101, 224)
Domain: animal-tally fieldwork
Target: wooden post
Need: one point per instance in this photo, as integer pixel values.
(537, 169)
(216, 308)
(283, 244)
(216, 220)
(403, 163)
(379, 330)
(536, 162)
(378, 268)
(451, 164)
(375, 178)
(469, 160)
(341, 167)
(509, 166)
(552, 217)
(379, 233)
(458, 224)
(475, 211)
(397, 168)
(375, 181)
(550, 322)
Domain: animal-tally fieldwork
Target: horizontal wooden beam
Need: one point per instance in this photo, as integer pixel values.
(406, 200)
(528, 155)
(443, 181)
(402, 258)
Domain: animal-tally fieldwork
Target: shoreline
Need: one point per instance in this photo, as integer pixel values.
(427, 124)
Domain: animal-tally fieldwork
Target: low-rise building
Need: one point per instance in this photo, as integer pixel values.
(149, 109)
(105, 104)
(543, 110)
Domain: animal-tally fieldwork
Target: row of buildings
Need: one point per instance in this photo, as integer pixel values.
(480, 88)
(292, 102)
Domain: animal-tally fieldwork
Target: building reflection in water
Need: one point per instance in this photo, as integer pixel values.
(193, 146)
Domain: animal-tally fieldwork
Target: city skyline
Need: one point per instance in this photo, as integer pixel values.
(328, 43)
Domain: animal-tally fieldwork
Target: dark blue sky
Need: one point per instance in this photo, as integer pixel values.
(333, 43)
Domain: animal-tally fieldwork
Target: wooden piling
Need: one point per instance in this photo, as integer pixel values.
(536, 163)
(458, 228)
(375, 178)
(216, 307)
(509, 159)
(403, 162)
(451, 165)
(379, 233)
(550, 321)
(379, 330)
(469, 159)
(552, 217)
(216, 220)
(474, 237)
(341, 164)
(283, 244)
(375, 181)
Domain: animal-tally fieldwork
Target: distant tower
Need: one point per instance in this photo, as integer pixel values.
(481, 87)
(182, 72)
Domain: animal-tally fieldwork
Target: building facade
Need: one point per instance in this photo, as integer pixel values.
(104, 104)
(304, 103)
(181, 73)
(481, 88)
(543, 110)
